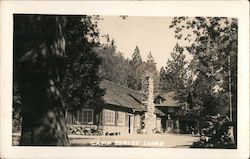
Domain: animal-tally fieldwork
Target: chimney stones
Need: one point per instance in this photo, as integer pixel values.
(148, 102)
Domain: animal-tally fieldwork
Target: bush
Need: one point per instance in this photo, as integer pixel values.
(216, 134)
(16, 122)
(84, 130)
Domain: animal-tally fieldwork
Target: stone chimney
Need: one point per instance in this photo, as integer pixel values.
(148, 101)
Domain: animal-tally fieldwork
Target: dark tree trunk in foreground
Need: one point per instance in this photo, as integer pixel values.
(39, 50)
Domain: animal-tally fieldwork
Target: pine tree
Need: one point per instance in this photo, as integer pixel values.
(213, 43)
(81, 84)
(137, 65)
(114, 66)
(175, 72)
(151, 68)
(55, 68)
(136, 57)
(162, 83)
(151, 62)
(39, 52)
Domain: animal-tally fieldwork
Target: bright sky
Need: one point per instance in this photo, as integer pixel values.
(151, 34)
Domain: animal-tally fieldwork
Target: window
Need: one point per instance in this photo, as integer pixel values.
(85, 116)
(158, 123)
(187, 106)
(170, 109)
(137, 121)
(170, 123)
(109, 117)
(121, 118)
(159, 101)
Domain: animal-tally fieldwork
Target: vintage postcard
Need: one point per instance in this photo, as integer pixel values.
(124, 79)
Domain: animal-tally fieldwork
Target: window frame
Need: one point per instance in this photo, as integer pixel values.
(137, 120)
(119, 114)
(171, 110)
(109, 112)
(81, 116)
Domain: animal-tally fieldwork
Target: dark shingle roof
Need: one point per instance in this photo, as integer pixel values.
(169, 98)
(159, 112)
(121, 96)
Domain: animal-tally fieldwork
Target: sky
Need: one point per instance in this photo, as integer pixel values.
(150, 34)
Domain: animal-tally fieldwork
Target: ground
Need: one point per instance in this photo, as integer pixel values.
(167, 140)
(136, 140)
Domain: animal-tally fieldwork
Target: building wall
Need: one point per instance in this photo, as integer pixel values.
(115, 126)
(131, 121)
(158, 124)
(131, 125)
(169, 123)
(137, 121)
(76, 117)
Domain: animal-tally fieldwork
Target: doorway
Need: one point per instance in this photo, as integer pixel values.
(169, 125)
(130, 123)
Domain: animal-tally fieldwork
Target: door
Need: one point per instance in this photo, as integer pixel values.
(169, 125)
(158, 124)
(164, 123)
(130, 123)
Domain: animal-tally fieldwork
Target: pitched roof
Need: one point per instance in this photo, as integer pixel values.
(159, 112)
(122, 96)
(169, 98)
(119, 95)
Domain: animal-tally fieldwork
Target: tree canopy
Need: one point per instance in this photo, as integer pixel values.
(59, 64)
(173, 76)
(55, 68)
(39, 67)
(124, 71)
(212, 41)
(81, 84)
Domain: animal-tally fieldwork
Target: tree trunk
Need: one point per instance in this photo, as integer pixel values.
(43, 120)
(39, 51)
(46, 129)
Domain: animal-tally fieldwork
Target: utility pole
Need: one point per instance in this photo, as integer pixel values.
(230, 90)
(230, 99)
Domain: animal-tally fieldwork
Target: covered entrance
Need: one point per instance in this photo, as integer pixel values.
(169, 125)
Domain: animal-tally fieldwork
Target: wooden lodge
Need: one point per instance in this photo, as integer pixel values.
(124, 111)
(166, 102)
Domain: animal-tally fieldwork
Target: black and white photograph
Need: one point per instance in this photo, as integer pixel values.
(78, 81)
(124, 81)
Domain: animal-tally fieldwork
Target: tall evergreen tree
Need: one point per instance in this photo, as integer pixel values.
(54, 68)
(114, 66)
(213, 43)
(162, 83)
(136, 57)
(39, 52)
(150, 66)
(81, 83)
(137, 65)
(175, 72)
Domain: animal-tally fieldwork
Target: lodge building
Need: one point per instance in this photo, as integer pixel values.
(129, 111)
